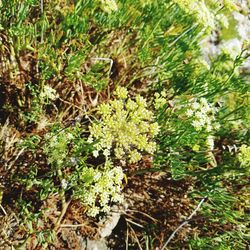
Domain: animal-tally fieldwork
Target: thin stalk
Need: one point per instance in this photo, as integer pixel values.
(156, 26)
(230, 113)
(63, 200)
(65, 206)
(184, 223)
(42, 9)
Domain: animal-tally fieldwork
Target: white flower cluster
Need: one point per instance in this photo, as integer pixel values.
(244, 155)
(125, 126)
(48, 93)
(232, 47)
(109, 6)
(100, 187)
(95, 187)
(223, 20)
(198, 9)
(210, 142)
(56, 147)
(243, 25)
(203, 115)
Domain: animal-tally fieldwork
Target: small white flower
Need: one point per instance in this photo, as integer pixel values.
(97, 188)
(90, 198)
(119, 174)
(48, 93)
(93, 211)
(163, 93)
(209, 128)
(73, 160)
(106, 152)
(200, 115)
(104, 199)
(223, 20)
(205, 108)
(117, 198)
(189, 112)
(105, 209)
(195, 105)
(197, 125)
(97, 176)
(69, 136)
(203, 101)
(202, 121)
(90, 140)
(109, 6)
(232, 47)
(121, 92)
(210, 142)
(95, 153)
(243, 31)
(216, 126)
(64, 184)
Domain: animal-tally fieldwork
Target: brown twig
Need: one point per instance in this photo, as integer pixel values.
(184, 223)
(64, 210)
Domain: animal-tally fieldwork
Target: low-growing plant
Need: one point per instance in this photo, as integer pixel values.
(244, 155)
(38, 102)
(192, 115)
(126, 128)
(66, 152)
(98, 188)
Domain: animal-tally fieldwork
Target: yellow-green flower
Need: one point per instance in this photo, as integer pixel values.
(109, 6)
(121, 92)
(126, 128)
(244, 155)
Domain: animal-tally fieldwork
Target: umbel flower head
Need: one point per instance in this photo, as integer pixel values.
(109, 6)
(125, 129)
(244, 155)
(203, 115)
(198, 9)
(98, 188)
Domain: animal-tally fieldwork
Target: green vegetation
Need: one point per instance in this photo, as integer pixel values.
(108, 105)
(125, 126)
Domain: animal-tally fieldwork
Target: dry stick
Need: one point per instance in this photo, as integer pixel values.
(136, 238)
(134, 223)
(127, 239)
(64, 210)
(72, 104)
(105, 59)
(147, 215)
(184, 223)
(41, 6)
(74, 225)
(18, 155)
(3, 210)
